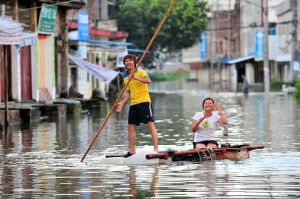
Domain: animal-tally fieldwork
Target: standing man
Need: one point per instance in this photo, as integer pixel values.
(140, 110)
(245, 86)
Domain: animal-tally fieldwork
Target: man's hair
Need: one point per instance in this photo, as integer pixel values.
(208, 98)
(132, 57)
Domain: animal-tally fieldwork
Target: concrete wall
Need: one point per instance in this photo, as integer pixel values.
(45, 70)
(233, 77)
(16, 73)
(250, 72)
(250, 16)
(50, 80)
(192, 55)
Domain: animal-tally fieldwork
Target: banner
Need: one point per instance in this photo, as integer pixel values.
(121, 53)
(47, 19)
(83, 26)
(259, 46)
(203, 46)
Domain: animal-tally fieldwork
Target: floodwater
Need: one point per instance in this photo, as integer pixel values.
(42, 160)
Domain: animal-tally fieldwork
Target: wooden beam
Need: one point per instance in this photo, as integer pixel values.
(33, 17)
(14, 8)
(74, 4)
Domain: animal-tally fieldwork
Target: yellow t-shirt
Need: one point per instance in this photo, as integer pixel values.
(139, 92)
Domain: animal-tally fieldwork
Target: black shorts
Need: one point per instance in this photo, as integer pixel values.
(206, 142)
(140, 113)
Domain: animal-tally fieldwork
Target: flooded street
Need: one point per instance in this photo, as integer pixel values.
(42, 160)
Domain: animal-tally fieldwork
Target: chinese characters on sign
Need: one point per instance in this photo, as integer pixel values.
(47, 19)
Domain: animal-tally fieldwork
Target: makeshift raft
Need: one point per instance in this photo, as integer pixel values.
(230, 152)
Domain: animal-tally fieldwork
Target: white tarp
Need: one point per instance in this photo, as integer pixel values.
(99, 72)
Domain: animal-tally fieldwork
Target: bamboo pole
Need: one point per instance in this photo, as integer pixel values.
(129, 79)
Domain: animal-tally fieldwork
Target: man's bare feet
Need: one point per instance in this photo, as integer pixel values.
(127, 154)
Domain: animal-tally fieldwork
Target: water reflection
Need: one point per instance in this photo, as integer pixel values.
(42, 160)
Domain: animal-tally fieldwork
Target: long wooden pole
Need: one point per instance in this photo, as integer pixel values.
(123, 90)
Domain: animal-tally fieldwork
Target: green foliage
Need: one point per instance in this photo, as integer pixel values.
(182, 29)
(97, 93)
(276, 85)
(156, 77)
(297, 92)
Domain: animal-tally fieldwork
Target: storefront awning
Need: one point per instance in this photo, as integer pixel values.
(114, 48)
(99, 72)
(237, 60)
(11, 33)
(73, 36)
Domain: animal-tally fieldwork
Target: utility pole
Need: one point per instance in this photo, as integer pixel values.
(237, 34)
(294, 66)
(4, 65)
(229, 30)
(103, 10)
(266, 48)
(213, 50)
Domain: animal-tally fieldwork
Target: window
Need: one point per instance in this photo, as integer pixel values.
(272, 29)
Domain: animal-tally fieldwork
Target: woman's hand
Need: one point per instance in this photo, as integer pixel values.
(223, 119)
(195, 123)
(201, 119)
(216, 106)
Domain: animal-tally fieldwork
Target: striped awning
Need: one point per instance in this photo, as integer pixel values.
(10, 31)
(99, 72)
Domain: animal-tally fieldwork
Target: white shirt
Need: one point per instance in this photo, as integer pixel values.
(206, 128)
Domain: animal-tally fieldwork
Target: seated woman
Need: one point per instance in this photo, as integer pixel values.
(204, 124)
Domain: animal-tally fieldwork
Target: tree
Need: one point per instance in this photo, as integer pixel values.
(140, 18)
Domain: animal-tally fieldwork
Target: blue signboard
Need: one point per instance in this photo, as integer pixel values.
(83, 26)
(259, 45)
(203, 46)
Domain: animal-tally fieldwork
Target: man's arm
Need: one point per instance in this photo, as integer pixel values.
(145, 79)
(122, 102)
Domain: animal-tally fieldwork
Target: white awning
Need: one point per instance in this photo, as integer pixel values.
(99, 72)
(237, 60)
(284, 58)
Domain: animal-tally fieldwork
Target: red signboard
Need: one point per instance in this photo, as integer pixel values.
(197, 65)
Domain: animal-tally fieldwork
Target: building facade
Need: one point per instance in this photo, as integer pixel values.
(32, 64)
(235, 47)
